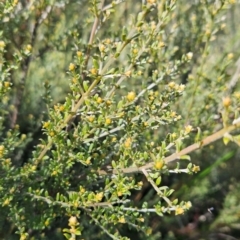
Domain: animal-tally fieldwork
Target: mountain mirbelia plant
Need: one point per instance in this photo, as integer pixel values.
(118, 122)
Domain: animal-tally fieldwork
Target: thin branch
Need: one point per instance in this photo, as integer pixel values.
(160, 194)
(139, 210)
(111, 5)
(68, 205)
(150, 210)
(68, 119)
(104, 134)
(91, 38)
(129, 38)
(234, 80)
(176, 156)
(103, 228)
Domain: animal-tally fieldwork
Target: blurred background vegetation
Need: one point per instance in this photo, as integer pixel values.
(55, 30)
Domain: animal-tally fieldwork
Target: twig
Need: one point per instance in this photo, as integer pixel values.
(234, 80)
(103, 228)
(155, 187)
(67, 205)
(176, 156)
(68, 118)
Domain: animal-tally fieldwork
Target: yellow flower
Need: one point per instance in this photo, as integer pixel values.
(99, 100)
(108, 102)
(71, 67)
(33, 168)
(189, 55)
(79, 53)
(128, 73)
(23, 236)
(195, 168)
(102, 48)
(230, 56)
(159, 164)
(131, 96)
(135, 51)
(121, 114)
(54, 173)
(174, 135)
(108, 41)
(145, 124)
(161, 44)
(46, 223)
(153, 25)
(179, 211)
(149, 231)
(151, 1)
(99, 196)
(8, 161)
(226, 102)
(140, 184)
(121, 220)
(207, 32)
(15, 2)
(188, 129)
(88, 161)
(52, 134)
(6, 202)
(172, 85)
(74, 80)
(91, 118)
(181, 87)
(2, 44)
(108, 121)
(188, 205)
(128, 143)
(94, 71)
(61, 108)
(29, 47)
(82, 189)
(190, 77)
(46, 124)
(72, 221)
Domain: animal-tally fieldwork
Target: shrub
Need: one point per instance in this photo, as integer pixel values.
(142, 92)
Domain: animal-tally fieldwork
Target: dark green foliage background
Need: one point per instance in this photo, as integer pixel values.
(54, 44)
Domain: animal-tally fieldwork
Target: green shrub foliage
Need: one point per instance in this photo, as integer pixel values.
(99, 99)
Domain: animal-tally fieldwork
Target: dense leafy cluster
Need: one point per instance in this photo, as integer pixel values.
(95, 109)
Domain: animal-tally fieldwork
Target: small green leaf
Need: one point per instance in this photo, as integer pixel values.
(114, 164)
(185, 157)
(174, 202)
(199, 134)
(111, 71)
(158, 181)
(85, 85)
(190, 166)
(226, 140)
(145, 205)
(124, 33)
(78, 232)
(95, 64)
(120, 104)
(178, 145)
(169, 193)
(58, 196)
